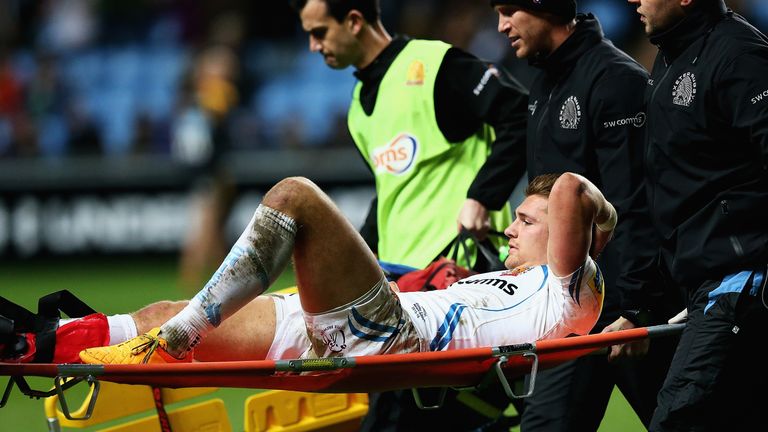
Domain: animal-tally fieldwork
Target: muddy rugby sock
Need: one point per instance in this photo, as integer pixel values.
(255, 261)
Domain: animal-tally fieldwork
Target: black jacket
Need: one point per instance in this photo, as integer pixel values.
(462, 105)
(708, 145)
(586, 115)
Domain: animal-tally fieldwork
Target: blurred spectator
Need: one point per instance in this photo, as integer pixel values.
(113, 71)
(11, 94)
(67, 25)
(46, 100)
(15, 133)
(10, 103)
(200, 135)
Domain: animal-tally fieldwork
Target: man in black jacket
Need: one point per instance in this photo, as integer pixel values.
(707, 174)
(586, 114)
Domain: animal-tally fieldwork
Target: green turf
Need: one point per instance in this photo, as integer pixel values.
(115, 285)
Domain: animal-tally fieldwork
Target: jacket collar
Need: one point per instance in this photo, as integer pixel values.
(375, 71)
(587, 34)
(697, 23)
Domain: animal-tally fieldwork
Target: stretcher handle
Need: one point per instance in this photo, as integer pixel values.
(505, 382)
(62, 383)
(438, 405)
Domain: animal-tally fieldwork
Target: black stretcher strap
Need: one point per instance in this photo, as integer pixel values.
(44, 323)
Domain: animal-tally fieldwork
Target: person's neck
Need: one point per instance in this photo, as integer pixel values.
(374, 39)
(698, 20)
(560, 34)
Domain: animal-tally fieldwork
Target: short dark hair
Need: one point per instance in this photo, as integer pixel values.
(338, 9)
(542, 185)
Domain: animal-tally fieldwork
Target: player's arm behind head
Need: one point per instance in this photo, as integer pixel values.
(575, 205)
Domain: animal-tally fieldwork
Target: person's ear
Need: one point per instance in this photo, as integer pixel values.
(686, 3)
(354, 21)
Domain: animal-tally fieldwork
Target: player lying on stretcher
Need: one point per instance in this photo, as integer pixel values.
(345, 306)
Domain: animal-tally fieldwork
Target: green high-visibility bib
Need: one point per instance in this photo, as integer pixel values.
(421, 178)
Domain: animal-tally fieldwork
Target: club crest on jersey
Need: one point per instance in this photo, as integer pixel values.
(684, 91)
(415, 74)
(570, 113)
(397, 156)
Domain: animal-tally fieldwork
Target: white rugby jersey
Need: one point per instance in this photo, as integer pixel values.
(507, 307)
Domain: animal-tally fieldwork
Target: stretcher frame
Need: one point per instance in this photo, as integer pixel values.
(474, 367)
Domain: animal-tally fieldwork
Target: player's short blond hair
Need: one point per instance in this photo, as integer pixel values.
(542, 185)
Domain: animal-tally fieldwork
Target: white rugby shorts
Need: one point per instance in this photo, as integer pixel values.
(373, 324)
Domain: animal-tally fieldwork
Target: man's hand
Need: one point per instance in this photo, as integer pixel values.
(600, 239)
(603, 231)
(679, 318)
(632, 349)
(474, 217)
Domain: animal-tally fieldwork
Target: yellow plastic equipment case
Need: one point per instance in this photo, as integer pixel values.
(116, 401)
(284, 411)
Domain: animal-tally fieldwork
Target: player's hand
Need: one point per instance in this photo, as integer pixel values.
(603, 231)
(599, 240)
(393, 286)
(631, 349)
(474, 217)
(679, 318)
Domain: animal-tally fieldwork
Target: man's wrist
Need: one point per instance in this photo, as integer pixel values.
(610, 223)
(638, 317)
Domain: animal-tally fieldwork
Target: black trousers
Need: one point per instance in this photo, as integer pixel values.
(719, 375)
(396, 411)
(574, 395)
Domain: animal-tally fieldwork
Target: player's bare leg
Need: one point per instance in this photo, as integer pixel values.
(333, 267)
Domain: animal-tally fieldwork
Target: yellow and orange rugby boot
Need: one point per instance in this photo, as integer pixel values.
(148, 348)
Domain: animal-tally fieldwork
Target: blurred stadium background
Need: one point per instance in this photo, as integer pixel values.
(135, 131)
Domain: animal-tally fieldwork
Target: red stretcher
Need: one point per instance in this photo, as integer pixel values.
(455, 368)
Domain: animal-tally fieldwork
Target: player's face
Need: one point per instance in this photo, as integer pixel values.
(528, 33)
(331, 38)
(528, 234)
(658, 15)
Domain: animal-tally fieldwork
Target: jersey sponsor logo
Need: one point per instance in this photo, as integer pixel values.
(334, 339)
(415, 75)
(492, 71)
(419, 311)
(517, 271)
(507, 287)
(637, 121)
(570, 113)
(684, 91)
(760, 97)
(397, 156)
